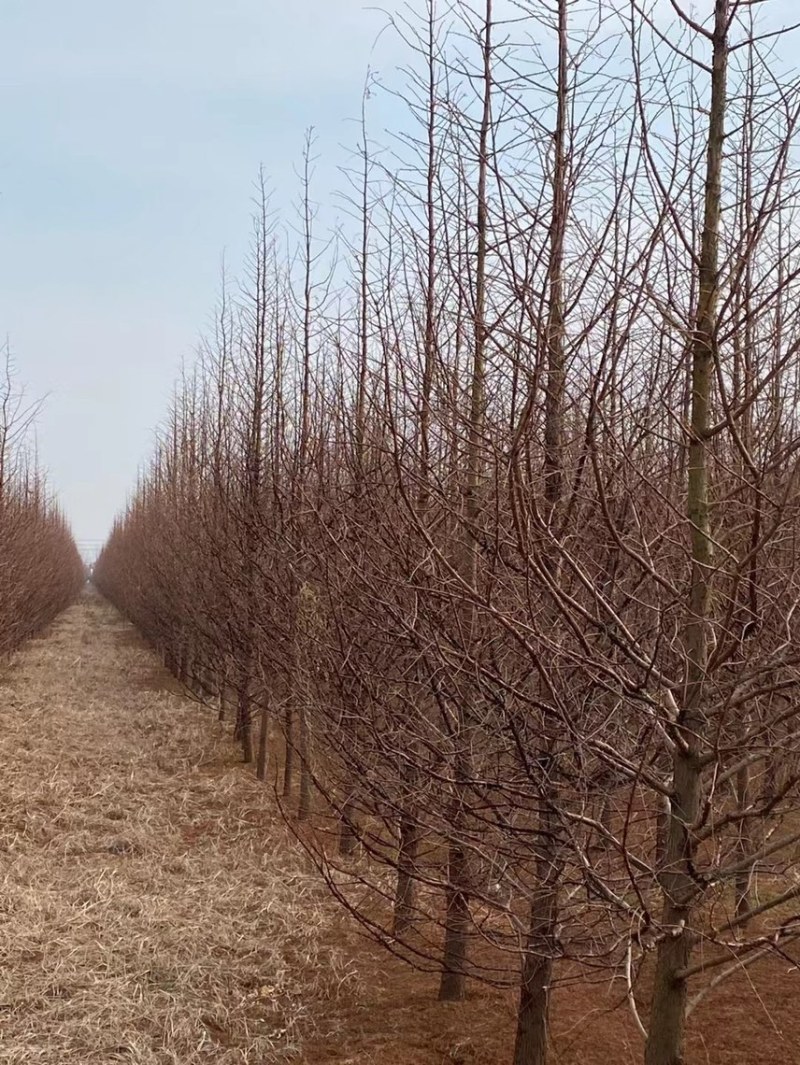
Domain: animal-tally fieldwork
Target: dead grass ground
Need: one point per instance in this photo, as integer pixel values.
(153, 909)
(150, 910)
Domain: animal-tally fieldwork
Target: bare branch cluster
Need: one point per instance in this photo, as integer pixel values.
(482, 527)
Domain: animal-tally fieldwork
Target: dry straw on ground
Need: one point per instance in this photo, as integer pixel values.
(150, 910)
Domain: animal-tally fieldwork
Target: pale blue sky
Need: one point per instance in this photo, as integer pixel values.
(130, 138)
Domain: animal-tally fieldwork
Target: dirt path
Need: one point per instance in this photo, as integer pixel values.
(149, 912)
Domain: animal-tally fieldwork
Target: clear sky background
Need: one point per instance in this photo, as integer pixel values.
(131, 137)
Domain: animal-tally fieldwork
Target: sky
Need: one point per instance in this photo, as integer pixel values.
(131, 135)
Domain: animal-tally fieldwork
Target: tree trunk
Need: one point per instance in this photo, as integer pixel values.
(457, 920)
(263, 744)
(540, 949)
(348, 829)
(304, 800)
(244, 725)
(668, 1011)
(289, 756)
(743, 886)
(537, 967)
(405, 897)
(453, 984)
(530, 1047)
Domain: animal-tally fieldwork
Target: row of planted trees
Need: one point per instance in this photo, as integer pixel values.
(482, 528)
(40, 569)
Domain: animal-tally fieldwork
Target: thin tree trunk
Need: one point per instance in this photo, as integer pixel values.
(537, 975)
(453, 984)
(244, 724)
(457, 921)
(299, 721)
(263, 744)
(668, 1010)
(289, 755)
(537, 965)
(348, 829)
(405, 902)
(405, 898)
(304, 799)
(743, 885)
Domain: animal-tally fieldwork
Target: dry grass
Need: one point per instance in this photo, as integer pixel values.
(150, 909)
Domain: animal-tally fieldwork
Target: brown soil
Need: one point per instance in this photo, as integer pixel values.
(154, 910)
(396, 1020)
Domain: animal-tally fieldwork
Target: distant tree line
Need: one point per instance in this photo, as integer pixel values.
(40, 569)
